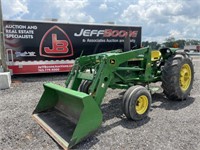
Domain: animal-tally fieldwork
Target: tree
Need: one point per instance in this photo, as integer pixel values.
(172, 42)
(152, 45)
(145, 43)
(192, 42)
(181, 43)
(169, 42)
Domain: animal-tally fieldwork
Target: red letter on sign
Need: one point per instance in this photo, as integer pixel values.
(58, 46)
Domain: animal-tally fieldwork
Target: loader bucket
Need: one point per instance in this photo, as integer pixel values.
(68, 116)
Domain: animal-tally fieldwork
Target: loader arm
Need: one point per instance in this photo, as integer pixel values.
(102, 68)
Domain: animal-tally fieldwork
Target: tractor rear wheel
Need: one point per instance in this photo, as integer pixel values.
(177, 77)
(136, 103)
(84, 87)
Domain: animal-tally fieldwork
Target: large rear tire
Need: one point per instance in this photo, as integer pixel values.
(177, 77)
(136, 103)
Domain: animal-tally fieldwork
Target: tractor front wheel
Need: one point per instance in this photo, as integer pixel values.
(177, 77)
(136, 103)
(85, 85)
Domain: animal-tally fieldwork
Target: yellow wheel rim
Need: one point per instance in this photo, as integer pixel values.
(142, 104)
(185, 77)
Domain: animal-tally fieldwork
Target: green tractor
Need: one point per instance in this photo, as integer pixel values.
(72, 113)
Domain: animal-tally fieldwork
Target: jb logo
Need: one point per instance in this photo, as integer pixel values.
(56, 44)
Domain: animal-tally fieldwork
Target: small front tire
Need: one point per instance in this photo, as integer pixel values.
(85, 85)
(136, 103)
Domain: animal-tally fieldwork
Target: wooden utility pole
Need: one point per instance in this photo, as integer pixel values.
(2, 48)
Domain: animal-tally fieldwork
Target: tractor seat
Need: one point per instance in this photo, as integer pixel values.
(155, 55)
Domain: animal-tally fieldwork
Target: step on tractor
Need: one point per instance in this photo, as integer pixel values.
(72, 113)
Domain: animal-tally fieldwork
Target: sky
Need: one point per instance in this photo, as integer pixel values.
(159, 19)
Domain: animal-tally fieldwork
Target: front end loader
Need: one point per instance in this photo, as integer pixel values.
(72, 113)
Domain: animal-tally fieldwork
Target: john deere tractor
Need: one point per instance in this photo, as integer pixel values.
(72, 113)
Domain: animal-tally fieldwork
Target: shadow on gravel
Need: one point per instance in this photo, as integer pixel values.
(167, 104)
(40, 77)
(112, 110)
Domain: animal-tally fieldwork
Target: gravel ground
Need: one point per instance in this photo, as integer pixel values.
(171, 125)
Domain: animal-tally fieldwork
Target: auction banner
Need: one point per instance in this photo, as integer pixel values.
(44, 42)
